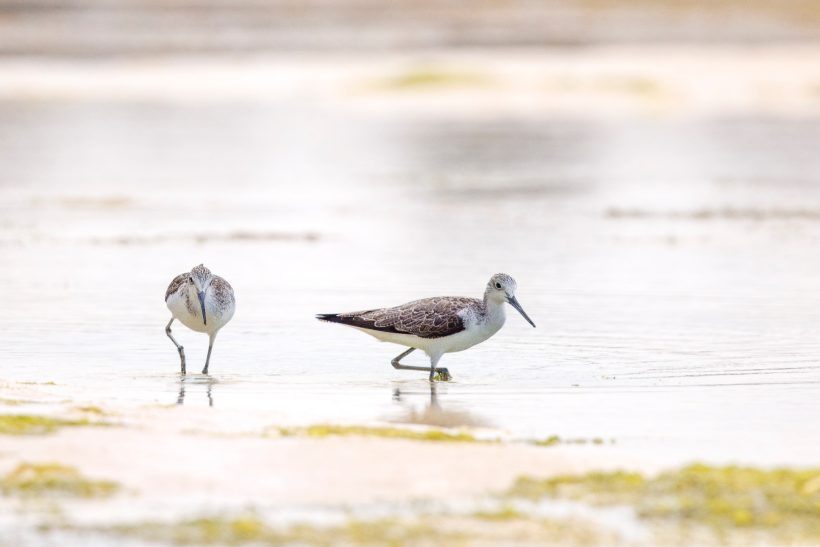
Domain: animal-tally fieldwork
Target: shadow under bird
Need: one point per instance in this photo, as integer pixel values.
(439, 325)
(201, 301)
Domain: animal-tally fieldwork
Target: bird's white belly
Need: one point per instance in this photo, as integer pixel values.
(191, 316)
(438, 346)
(468, 338)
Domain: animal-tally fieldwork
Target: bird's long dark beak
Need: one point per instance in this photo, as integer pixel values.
(201, 295)
(514, 303)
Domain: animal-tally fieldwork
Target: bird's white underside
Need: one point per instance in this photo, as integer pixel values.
(193, 319)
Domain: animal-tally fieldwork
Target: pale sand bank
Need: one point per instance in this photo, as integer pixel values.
(174, 487)
(237, 469)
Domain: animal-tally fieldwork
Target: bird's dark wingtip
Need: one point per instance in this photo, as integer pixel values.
(327, 316)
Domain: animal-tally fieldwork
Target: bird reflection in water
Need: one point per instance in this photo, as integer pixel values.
(432, 413)
(209, 384)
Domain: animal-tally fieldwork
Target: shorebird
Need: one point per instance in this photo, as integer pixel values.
(201, 301)
(437, 325)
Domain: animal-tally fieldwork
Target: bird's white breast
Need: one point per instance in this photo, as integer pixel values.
(184, 305)
(478, 328)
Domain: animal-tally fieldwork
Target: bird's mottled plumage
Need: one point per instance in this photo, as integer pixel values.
(437, 325)
(426, 318)
(223, 297)
(201, 301)
(176, 283)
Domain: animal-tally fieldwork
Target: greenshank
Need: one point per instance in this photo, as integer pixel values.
(201, 301)
(437, 325)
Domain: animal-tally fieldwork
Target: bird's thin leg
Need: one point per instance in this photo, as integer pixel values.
(208, 358)
(397, 365)
(180, 349)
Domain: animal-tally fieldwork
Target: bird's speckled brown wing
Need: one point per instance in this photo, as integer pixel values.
(175, 284)
(223, 292)
(427, 318)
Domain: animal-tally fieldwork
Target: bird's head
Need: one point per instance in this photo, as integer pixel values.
(501, 288)
(201, 278)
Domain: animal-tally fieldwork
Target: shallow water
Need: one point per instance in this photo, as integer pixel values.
(669, 265)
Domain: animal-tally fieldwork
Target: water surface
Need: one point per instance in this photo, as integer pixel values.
(670, 266)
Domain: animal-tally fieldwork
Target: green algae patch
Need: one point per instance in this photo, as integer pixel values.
(442, 377)
(424, 529)
(29, 479)
(555, 440)
(601, 488)
(504, 513)
(250, 529)
(91, 409)
(321, 431)
(15, 402)
(720, 497)
(209, 531)
(549, 441)
(29, 424)
(435, 78)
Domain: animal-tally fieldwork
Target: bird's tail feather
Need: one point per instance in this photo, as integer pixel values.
(331, 317)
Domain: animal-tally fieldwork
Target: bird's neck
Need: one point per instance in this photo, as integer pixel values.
(493, 309)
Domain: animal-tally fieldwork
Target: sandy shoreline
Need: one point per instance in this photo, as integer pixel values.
(174, 482)
(288, 471)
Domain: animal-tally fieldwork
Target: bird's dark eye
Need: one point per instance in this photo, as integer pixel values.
(498, 285)
(191, 278)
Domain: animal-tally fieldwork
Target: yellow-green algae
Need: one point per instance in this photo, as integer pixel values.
(29, 424)
(250, 529)
(424, 78)
(15, 402)
(447, 529)
(326, 430)
(555, 440)
(506, 512)
(549, 441)
(91, 409)
(720, 497)
(30, 479)
(633, 85)
(441, 377)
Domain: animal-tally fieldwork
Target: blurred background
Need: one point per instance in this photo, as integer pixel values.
(648, 171)
(115, 28)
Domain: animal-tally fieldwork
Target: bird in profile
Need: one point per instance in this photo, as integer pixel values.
(201, 301)
(437, 325)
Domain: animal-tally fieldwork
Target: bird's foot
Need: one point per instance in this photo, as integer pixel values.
(205, 371)
(442, 374)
